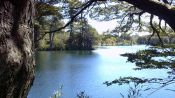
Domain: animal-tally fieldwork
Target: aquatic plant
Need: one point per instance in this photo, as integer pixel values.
(57, 93)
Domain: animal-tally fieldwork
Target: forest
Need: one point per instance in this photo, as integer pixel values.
(80, 35)
(31, 28)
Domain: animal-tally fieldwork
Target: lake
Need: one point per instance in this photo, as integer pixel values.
(86, 71)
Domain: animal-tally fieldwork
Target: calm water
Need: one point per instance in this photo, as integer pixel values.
(86, 71)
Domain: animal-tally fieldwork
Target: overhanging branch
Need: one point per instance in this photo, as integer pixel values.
(86, 5)
(162, 10)
(154, 30)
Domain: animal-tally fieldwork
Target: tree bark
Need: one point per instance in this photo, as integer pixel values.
(51, 39)
(36, 36)
(16, 49)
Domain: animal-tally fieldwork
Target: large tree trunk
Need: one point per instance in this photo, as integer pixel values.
(16, 51)
(36, 36)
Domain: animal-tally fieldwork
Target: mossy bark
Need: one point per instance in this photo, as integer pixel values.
(16, 49)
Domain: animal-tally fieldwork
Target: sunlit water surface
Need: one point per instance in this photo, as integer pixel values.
(87, 70)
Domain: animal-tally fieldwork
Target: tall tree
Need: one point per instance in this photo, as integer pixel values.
(70, 8)
(54, 23)
(126, 10)
(46, 13)
(16, 50)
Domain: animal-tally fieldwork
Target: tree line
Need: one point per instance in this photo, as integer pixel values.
(79, 35)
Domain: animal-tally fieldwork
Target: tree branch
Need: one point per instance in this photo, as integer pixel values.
(163, 11)
(155, 29)
(86, 5)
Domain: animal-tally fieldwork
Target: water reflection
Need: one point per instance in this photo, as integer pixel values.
(86, 70)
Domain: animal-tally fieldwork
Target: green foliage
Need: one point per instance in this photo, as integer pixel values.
(126, 80)
(146, 58)
(151, 58)
(47, 18)
(126, 15)
(60, 41)
(95, 36)
(110, 38)
(109, 41)
(58, 93)
(80, 42)
(82, 36)
(45, 9)
(142, 40)
(43, 45)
